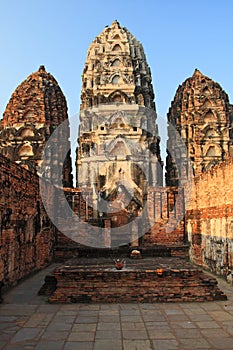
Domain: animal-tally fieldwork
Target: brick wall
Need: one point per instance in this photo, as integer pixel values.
(26, 236)
(162, 222)
(166, 216)
(72, 230)
(209, 220)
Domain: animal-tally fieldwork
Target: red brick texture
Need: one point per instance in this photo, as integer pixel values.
(27, 236)
(209, 219)
(100, 284)
(166, 216)
(36, 108)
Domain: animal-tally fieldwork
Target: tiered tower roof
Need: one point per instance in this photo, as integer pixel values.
(116, 70)
(202, 115)
(36, 108)
(38, 99)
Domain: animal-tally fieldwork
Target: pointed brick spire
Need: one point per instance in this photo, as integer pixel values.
(116, 62)
(197, 72)
(35, 109)
(201, 112)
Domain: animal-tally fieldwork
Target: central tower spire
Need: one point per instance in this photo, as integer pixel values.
(116, 70)
(118, 155)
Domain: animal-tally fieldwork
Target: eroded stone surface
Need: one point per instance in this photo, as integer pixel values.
(35, 109)
(140, 280)
(210, 220)
(116, 70)
(201, 115)
(27, 236)
(118, 154)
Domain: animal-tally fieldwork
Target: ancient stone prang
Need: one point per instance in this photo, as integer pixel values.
(34, 111)
(202, 116)
(118, 154)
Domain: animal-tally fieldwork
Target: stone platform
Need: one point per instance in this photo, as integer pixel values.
(70, 249)
(150, 279)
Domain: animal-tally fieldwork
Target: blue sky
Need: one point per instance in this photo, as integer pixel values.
(178, 36)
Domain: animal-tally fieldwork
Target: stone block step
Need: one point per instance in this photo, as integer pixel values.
(141, 280)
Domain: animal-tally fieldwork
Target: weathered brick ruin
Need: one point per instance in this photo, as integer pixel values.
(202, 115)
(27, 235)
(34, 111)
(118, 137)
(209, 220)
(95, 280)
(119, 193)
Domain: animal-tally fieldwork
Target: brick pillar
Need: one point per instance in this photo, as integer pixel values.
(134, 234)
(107, 233)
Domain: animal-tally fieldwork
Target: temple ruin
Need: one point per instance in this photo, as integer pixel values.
(119, 203)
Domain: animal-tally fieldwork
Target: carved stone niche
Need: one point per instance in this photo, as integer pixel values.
(25, 151)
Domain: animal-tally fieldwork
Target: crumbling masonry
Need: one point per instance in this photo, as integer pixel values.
(119, 167)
